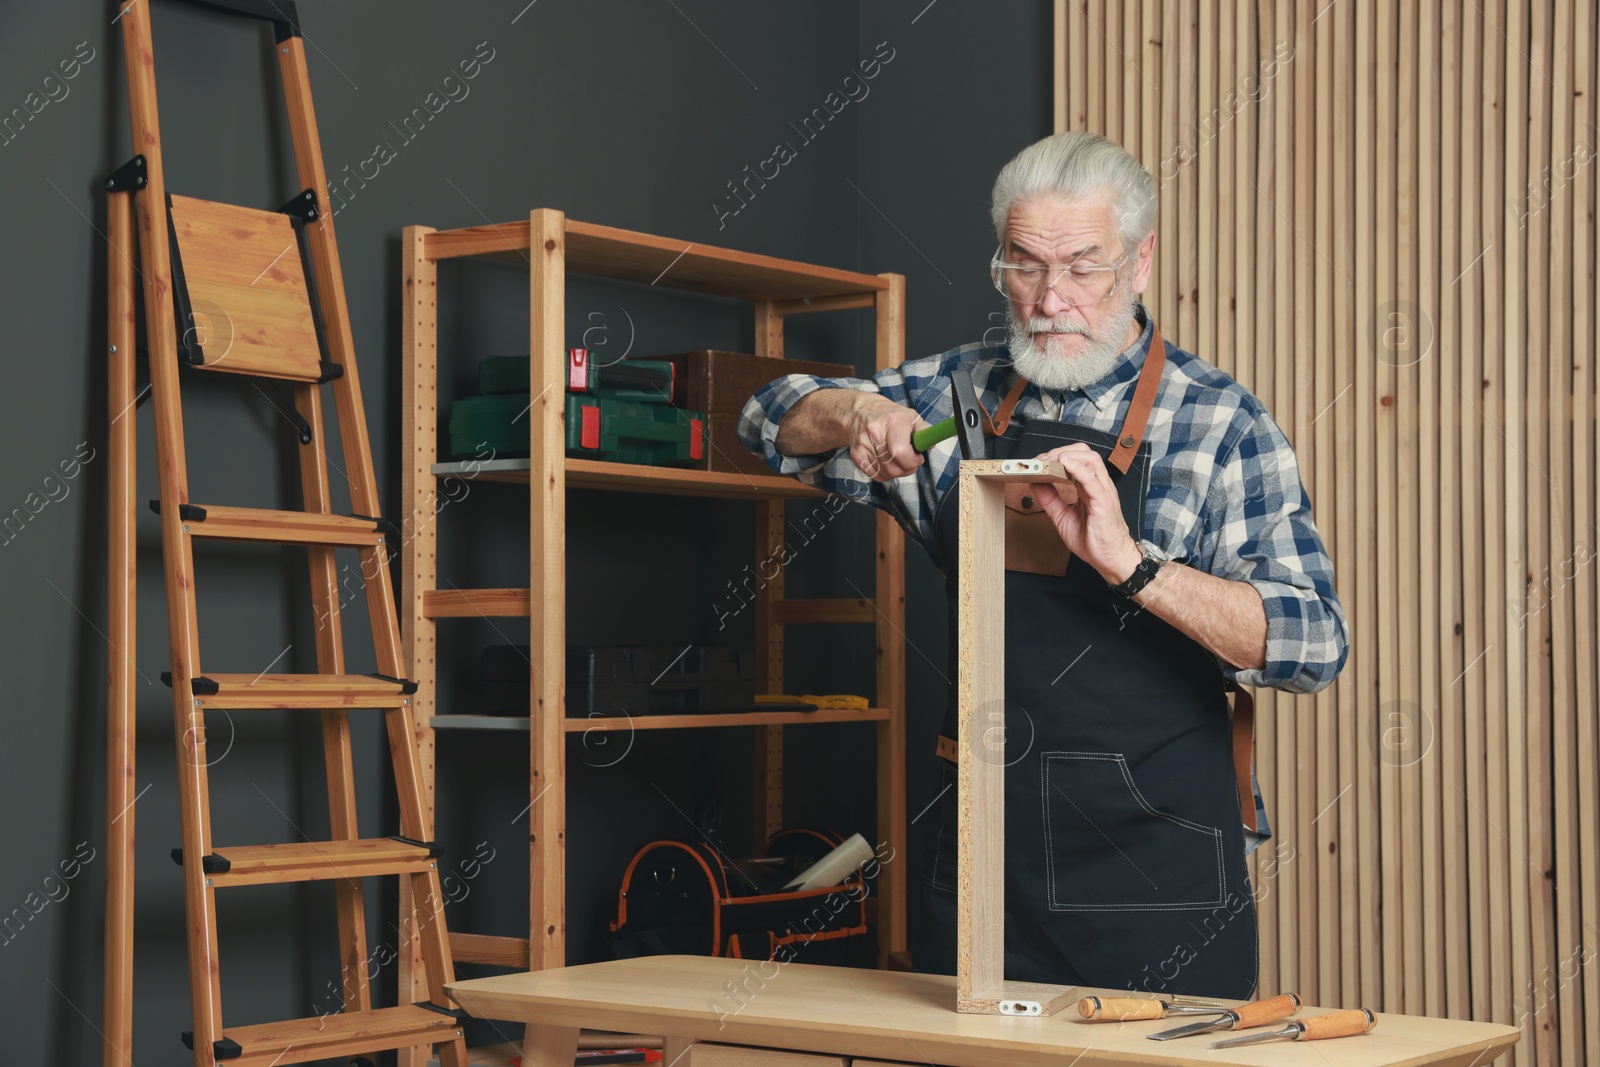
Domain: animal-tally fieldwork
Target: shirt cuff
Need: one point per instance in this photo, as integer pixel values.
(768, 421)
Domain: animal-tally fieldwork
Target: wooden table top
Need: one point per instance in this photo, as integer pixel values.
(894, 1015)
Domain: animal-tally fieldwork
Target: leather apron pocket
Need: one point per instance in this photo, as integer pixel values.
(1108, 849)
(1033, 544)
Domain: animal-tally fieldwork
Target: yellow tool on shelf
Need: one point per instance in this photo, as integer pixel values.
(836, 702)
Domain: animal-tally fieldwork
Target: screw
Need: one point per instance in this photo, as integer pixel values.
(113, 348)
(285, 51)
(407, 700)
(199, 703)
(186, 529)
(432, 866)
(210, 882)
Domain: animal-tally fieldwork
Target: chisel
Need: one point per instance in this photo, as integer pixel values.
(1333, 1024)
(1127, 1009)
(1245, 1016)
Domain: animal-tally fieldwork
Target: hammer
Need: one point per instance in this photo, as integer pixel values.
(966, 425)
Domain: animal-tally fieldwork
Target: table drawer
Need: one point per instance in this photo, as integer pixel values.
(707, 1055)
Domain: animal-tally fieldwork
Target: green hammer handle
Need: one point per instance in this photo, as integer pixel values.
(928, 436)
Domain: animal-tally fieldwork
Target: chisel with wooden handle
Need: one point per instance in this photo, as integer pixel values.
(1127, 1009)
(1245, 1016)
(1333, 1024)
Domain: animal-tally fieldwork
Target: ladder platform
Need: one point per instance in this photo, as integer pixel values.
(314, 861)
(311, 692)
(334, 1036)
(281, 527)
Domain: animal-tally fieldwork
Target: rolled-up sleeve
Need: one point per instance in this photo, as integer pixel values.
(1259, 520)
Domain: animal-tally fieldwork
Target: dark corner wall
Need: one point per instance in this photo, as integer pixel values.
(633, 114)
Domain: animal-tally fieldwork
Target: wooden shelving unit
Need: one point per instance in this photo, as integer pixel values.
(552, 246)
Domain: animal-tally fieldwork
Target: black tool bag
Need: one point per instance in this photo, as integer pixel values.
(682, 897)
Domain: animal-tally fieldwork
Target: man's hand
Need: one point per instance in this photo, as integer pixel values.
(1088, 513)
(877, 430)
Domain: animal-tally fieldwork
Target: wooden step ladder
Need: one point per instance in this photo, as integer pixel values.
(243, 291)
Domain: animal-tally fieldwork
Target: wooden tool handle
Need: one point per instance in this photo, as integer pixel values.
(1262, 1012)
(1112, 1009)
(1337, 1024)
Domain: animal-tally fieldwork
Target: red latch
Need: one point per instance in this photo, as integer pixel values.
(696, 439)
(578, 370)
(589, 428)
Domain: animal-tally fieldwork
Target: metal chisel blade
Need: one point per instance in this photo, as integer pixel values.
(1203, 1026)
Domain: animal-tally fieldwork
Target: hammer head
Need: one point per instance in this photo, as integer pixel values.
(968, 415)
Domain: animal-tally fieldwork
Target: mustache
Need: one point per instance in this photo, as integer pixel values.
(1040, 324)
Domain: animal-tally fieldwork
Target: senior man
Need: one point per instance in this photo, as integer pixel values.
(1181, 561)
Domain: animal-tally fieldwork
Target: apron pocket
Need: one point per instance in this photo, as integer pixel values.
(1108, 849)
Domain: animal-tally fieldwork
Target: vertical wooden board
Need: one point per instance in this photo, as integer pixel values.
(1094, 108)
(1514, 497)
(1188, 219)
(1115, 68)
(1449, 781)
(1246, 256)
(1325, 821)
(547, 503)
(1563, 928)
(1426, 749)
(122, 572)
(1390, 716)
(768, 778)
(1205, 288)
(1149, 43)
(980, 690)
(1406, 489)
(1278, 396)
(1586, 296)
(1470, 681)
(1268, 742)
(1342, 165)
(1494, 264)
(1539, 608)
(1059, 47)
(1168, 244)
(1134, 86)
(1078, 64)
(1367, 796)
(419, 443)
(1224, 285)
(890, 598)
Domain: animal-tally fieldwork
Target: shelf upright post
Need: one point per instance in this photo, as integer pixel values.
(769, 632)
(890, 600)
(547, 582)
(419, 546)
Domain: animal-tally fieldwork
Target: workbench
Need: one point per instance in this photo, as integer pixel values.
(828, 1015)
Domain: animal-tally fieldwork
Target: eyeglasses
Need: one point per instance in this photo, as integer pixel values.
(1081, 285)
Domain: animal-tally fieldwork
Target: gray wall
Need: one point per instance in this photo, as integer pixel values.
(630, 114)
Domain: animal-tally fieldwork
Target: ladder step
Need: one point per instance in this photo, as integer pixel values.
(313, 692)
(336, 1036)
(280, 527)
(314, 861)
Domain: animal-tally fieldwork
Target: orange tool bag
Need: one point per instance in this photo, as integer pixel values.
(684, 897)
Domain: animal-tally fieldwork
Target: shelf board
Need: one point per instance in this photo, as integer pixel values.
(637, 478)
(626, 255)
(663, 722)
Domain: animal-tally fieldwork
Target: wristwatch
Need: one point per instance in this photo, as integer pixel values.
(1142, 575)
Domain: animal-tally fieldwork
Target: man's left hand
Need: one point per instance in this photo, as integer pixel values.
(1088, 513)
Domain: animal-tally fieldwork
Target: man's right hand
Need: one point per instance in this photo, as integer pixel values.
(876, 430)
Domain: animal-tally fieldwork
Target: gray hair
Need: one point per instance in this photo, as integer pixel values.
(1075, 165)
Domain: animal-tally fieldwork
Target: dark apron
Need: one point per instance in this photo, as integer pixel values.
(1124, 852)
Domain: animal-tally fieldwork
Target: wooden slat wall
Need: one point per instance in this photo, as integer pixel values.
(1381, 219)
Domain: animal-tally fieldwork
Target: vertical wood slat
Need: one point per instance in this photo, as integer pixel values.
(1305, 371)
(1457, 870)
(1562, 1002)
(1586, 295)
(1349, 916)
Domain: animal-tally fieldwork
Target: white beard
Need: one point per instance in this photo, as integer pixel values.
(1057, 372)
